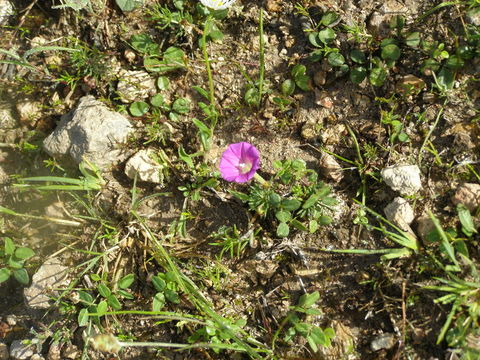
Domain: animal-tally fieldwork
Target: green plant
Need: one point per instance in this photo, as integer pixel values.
(12, 261)
(305, 206)
(315, 335)
(167, 290)
(231, 241)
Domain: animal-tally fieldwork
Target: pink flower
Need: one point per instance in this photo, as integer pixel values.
(239, 162)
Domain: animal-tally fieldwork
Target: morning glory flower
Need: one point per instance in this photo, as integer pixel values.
(239, 162)
(217, 4)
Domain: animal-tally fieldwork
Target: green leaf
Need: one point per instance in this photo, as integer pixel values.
(283, 216)
(22, 276)
(158, 301)
(391, 52)
(329, 18)
(126, 281)
(185, 157)
(163, 83)
(283, 230)
(326, 36)
(125, 294)
(144, 44)
(468, 227)
(14, 264)
(139, 108)
(24, 253)
(455, 62)
(102, 308)
(358, 74)
(181, 106)
(174, 56)
(307, 300)
(413, 39)
(9, 246)
(172, 296)
(298, 70)
(303, 82)
(325, 220)
(290, 204)
(85, 297)
(157, 100)
(397, 22)
(298, 225)
(152, 64)
(82, 317)
(335, 59)
(128, 5)
(445, 79)
(312, 226)
(311, 343)
(314, 40)
(378, 76)
(159, 283)
(358, 56)
(4, 274)
(103, 290)
(202, 92)
(95, 277)
(288, 87)
(251, 96)
(113, 302)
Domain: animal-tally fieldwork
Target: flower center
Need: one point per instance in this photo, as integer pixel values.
(244, 167)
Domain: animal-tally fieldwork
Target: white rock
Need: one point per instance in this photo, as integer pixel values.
(135, 85)
(91, 131)
(383, 341)
(6, 10)
(20, 351)
(52, 274)
(468, 194)
(3, 351)
(330, 168)
(400, 213)
(145, 167)
(403, 178)
(29, 110)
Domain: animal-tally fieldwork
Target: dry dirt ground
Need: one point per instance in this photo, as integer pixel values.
(361, 296)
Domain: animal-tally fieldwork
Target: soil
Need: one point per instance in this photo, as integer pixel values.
(362, 297)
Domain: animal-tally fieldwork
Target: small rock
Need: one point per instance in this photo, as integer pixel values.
(129, 55)
(71, 352)
(38, 41)
(37, 357)
(51, 274)
(29, 110)
(7, 118)
(54, 352)
(11, 320)
(400, 213)
(6, 10)
(409, 85)
(273, 5)
(91, 131)
(320, 78)
(145, 167)
(403, 178)
(468, 194)
(379, 22)
(135, 85)
(473, 16)
(322, 99)
(3, 351)
(330, 168)
(383, 341)
(20, 351)
(332, 135)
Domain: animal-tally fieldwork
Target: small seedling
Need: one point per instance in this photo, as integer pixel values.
(12, 261)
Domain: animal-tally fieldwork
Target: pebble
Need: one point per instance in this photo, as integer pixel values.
(425, 226)
(330, 168)
(403, 178)
(29, 110)
(383, 341)
(3, 351)
(20, 351)
(467, 194)
(6, 10)
(400, 213)
(145, 167)
(7, 118)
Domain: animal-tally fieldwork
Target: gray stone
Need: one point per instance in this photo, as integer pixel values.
(20, 351)
(383, 341)
(403, 178)
(52, 274)
(29, 110)
(467, 194)
(473, 16)
(6, 10)
(330, 168)
(3, 351)
(400, 213)
(91, 131)
(143, 165)
(135, 85)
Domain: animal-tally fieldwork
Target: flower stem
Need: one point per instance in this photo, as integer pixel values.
(261, 180)
(211, 90)
(262, 58)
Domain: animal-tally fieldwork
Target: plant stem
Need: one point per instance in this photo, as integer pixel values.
(261, 180)
(262, 59)
(211, 90)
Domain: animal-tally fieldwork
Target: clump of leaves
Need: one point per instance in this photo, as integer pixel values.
(12, 261)
(293, 198)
